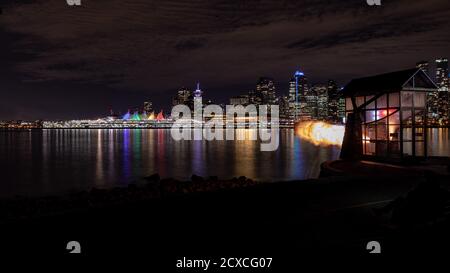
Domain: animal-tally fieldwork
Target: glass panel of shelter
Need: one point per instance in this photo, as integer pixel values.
(393, 121)
(382, 122)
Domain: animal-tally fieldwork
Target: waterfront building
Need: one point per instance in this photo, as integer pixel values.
(151, 116)
(21, 125)
(160, 116)
(387, 115)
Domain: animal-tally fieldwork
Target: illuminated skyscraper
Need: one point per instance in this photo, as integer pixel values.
(297, 101)
(442, 74)
(443, 107)
(294, 107)
(333, 101)
(266, 89)
(341, 107)
(183, 96)
(254, 97)
(311, 110)
(442, 81)
(148, 107)
(285, 114)
(321, 91)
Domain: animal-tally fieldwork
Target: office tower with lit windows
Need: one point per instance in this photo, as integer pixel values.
(283, 102)
(341, 107)
(333, 101)
(294, 105)
(433, 107)
(255, 97)
(183, 96)
(321, 93)
(303, 88)
(442, 81)
(266, 88)
(443, 108)
(311, 101)
(298, 87)
(148, 107)
(308, 99)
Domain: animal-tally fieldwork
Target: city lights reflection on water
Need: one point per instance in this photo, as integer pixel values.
(49, 161)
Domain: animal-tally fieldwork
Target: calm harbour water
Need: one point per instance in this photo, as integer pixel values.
(52, 161)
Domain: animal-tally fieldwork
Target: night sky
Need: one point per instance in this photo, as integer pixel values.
(59, 62)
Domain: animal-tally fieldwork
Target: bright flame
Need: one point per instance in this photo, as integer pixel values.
(321, 133)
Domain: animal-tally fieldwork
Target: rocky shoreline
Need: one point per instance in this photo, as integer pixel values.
(23, 208)
(316, 215)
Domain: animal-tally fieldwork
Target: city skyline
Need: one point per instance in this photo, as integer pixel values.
(221, 135)
(318, 101)
(61, 62)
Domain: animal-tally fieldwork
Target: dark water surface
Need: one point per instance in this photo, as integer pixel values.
(50, 161)
(53, 161)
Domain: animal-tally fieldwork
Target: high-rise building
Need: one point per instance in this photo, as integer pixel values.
(285, 115)
(148, 107)
(183, 96)
(424, 65)
(341, 107)
(442, 81)
(321, 91)
(436, 102)
(333, 101)
(433, 107)
(266, 88)
(311, 109)
(255, 97)
(443, 107)
(294, 105)
(298, 87)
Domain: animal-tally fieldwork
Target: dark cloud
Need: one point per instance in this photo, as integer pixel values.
(153, 47)
(397, 27)
(190, 44)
